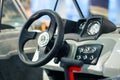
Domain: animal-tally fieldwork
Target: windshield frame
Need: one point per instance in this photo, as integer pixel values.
(19, 8)
(76, 6)
(1, 11)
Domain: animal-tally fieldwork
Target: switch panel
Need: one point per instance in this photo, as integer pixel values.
(89, 53)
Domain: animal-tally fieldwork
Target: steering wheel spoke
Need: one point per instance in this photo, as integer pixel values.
(42, 52)
(25, 36)
(28, 35)
(39, 53)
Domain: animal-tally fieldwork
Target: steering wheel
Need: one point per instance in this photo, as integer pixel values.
(44, 38)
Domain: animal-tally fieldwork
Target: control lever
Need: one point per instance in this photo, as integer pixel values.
(69, 66)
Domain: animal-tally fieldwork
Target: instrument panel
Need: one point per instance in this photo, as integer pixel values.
(91, 28)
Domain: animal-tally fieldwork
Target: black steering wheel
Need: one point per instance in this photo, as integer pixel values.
(44, 38)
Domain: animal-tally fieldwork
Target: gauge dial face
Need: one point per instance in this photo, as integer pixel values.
(93, 28)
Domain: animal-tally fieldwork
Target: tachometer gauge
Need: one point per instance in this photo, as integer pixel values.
(93, 28)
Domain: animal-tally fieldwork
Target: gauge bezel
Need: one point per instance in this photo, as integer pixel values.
(91, 25)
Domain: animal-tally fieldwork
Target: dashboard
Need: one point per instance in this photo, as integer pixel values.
(93, 46)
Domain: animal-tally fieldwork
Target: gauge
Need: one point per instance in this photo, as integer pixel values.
(93, 28)
(81, 26)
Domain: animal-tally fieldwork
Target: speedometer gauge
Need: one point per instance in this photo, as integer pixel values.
(93, 28)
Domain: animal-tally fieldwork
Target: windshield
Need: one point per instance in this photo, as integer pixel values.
(66, 8)
(11, 16)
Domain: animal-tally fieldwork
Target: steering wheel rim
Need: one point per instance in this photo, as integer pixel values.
(26, 36)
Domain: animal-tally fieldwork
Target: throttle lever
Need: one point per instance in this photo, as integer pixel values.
(69, 66)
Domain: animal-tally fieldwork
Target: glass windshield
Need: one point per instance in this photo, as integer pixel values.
(11, 16)
(65, 8)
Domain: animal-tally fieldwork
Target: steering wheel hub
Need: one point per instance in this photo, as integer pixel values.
(43, 39)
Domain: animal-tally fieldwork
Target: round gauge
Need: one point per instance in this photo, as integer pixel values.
(93, 28)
